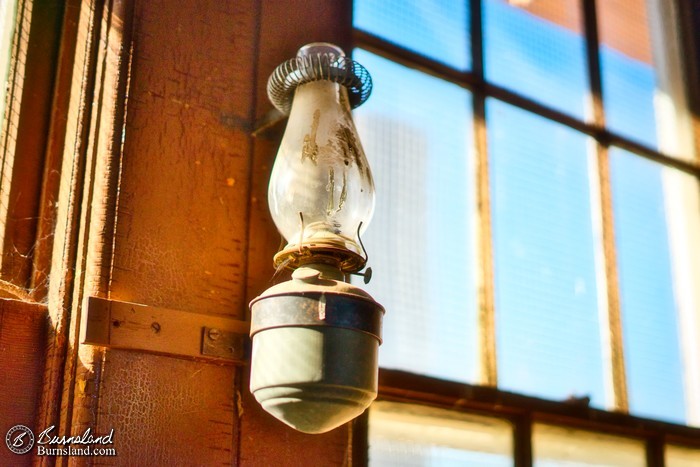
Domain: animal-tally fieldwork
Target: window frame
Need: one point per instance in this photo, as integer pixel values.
(484, 397)
(28, 166)
(522, 412)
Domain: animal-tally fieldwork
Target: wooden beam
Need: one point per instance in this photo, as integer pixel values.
(131, 326)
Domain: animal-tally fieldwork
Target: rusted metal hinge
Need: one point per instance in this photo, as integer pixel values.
(131, 326)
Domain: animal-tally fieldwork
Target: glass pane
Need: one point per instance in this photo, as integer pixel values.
(642, 80)
(547, 325)
(536, 49)
(416, 132)
(677, 456)
(438, 29)
(404, 435)
(555, 446)
(649, 308)
(626, 69)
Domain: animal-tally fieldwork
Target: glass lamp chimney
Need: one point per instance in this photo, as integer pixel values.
(321, 192)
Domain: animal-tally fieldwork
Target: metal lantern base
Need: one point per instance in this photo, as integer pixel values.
(315, 342)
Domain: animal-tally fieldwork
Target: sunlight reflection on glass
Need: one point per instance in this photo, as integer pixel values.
(555, 446)
(405, 435)
(415, 131)
(547, 324)
(649, 307)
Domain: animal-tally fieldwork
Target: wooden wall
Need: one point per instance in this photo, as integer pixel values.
(22, 332)
(160, 199)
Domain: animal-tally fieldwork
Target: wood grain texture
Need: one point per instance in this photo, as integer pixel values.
(180, 231)
(181, 223)
(22, 331)
(60, 107)
(80, 20)
(169, 210)
(23, 142)
(86, 200)
(166, 411)
(264, 239)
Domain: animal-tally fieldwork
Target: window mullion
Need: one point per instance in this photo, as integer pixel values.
(488, 373)
(522, 440)
(611, 324)
(655, 451)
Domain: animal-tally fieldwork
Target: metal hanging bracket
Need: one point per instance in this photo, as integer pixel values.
(131, 326)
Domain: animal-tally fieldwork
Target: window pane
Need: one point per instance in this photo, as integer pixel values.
(416, 132)
(438, 29)
(404, 435)
(536, 49)
(649, 308)
(548, 339)
(555, 446)
(677, 456)
(626, 69)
